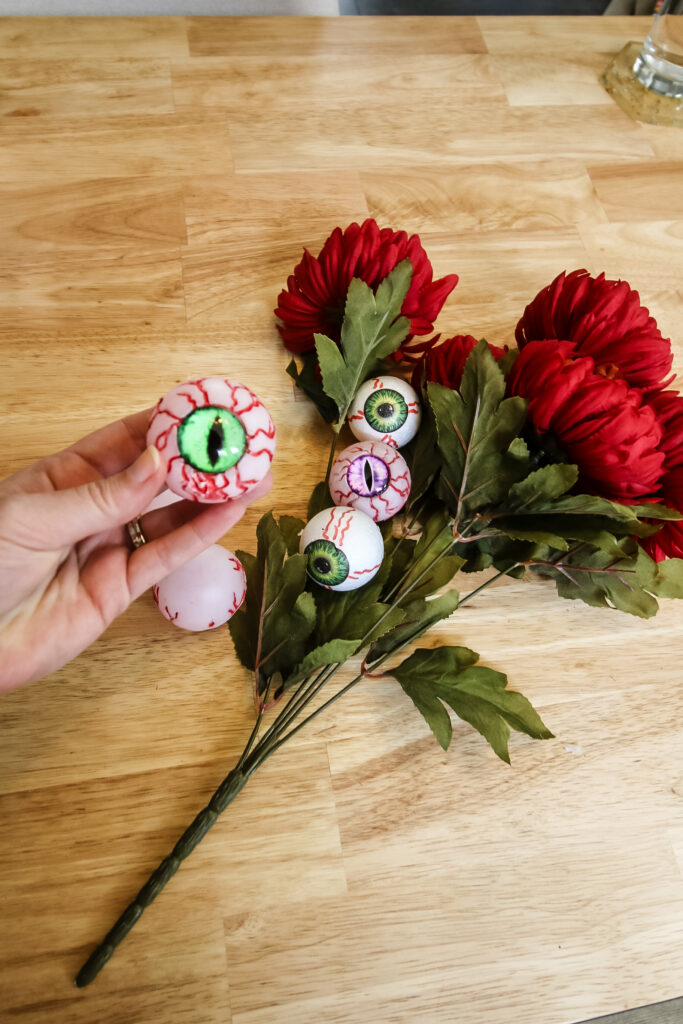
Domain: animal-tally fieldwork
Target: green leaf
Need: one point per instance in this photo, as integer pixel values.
(589, 504)
(371, 330)
(422, 456)
(535, 536)
(421, 577)
(627, 583)
(307, 379)
(420, 615)
(475, 429)
(333, 368)
(290, 528)
(398, 554)
(542, 486)
(667, 578)
(478, 695)
(332, 653)
(320, 499)
(354, 615)
(271, 629)
(507, 361)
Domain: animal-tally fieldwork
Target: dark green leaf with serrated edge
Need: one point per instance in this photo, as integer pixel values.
(434, 541)
(371, 330)
(507, 361)
(667, 578)
(475, 428)
(354, 615)
(332, 653)
(373, 327)
(290, 528)
(276, 597)
(542, 486)
(477, 694)
(398, 554)
(420, 576)
(573, 526)
(536, 536)
(589, 504)
(308, 381)
(421, 615)
(334, 370)
(358, 615)
(600, 580)
(320, 499)
(422, 456)
(243, 625)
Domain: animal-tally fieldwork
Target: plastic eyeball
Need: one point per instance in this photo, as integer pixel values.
(385, 409)
(372, 477)
(205, 592)
(344, 548)
(216, 436)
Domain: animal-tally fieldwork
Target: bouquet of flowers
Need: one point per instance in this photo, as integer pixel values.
(560, 458)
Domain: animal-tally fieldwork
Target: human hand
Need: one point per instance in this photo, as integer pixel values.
(66, 566)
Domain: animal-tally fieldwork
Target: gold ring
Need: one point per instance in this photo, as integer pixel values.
(137, 537)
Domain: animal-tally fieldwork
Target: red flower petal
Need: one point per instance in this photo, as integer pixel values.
(605, 320)
(445, 363)
(316, 292)
(602, 425)
(668, 542)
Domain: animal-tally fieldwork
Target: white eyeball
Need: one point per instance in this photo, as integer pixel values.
(373, 477)
(216, 436)
(205, 592)
(385, 409)
(344, 548)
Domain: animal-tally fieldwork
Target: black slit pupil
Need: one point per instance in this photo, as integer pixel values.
(367, 473)
(322, 565)
(385, 410)
(216, 441)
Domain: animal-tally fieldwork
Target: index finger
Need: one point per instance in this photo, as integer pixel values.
(110, 449)
(101, 454)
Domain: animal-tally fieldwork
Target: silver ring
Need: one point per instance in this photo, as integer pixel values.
(135, 534)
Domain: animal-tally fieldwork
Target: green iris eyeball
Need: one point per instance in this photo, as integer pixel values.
(211, 439)
(343, 548)
(385, 409)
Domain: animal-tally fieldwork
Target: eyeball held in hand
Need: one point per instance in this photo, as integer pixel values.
(371, 476)
(343, 546)
(205, 592)
(216, 436)
(385, 409)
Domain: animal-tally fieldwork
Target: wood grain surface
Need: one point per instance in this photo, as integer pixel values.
(159, 178)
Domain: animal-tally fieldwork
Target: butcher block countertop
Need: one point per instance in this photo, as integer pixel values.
(159, 179)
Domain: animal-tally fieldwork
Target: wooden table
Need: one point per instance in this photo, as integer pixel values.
(159, 179)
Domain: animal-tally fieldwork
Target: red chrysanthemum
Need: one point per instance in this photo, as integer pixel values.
(603, 426)
(445, 362)
(668, 541)
(314, 299)
(605, 320)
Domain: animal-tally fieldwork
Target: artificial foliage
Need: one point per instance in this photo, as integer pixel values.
(494, 487)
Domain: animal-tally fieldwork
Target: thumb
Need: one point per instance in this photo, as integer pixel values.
(65, 517)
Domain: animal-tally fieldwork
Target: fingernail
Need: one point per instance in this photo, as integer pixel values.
(146, 465)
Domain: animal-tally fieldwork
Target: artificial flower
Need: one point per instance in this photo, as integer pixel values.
(314, 299)
(668, 541)
(601, 425)
(605, 320)
(445, 362)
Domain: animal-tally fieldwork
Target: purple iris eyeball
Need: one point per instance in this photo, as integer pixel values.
(373, 477)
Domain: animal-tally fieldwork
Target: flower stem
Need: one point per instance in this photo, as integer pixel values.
(207, 817)
(253, 756)
(487, 583)
(330, 460)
